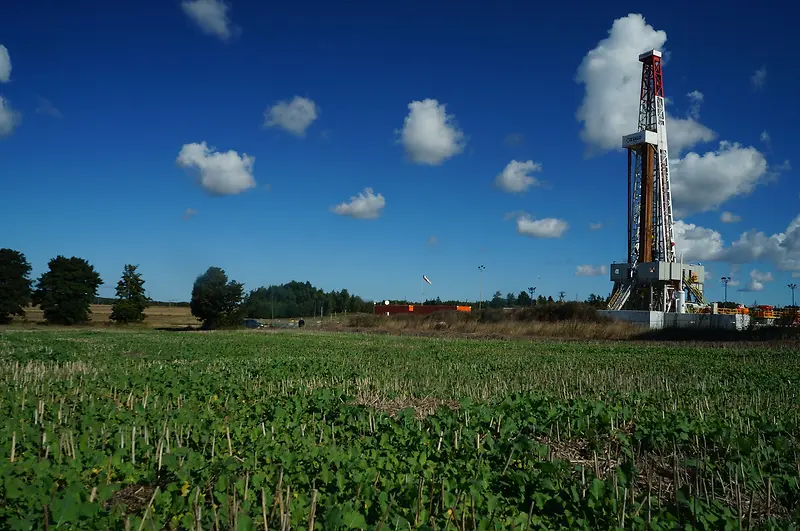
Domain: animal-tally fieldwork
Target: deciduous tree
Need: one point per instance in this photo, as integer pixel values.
(15, 284)
(66, 291)
(131, 297)
(215, 301)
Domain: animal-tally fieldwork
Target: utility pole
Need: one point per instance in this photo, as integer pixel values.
(532, 290)
(792, 287)
(481, 268)
(725, 281)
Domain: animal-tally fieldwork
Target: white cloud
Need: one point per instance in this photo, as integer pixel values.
(516, 177)
(730, 217)
(189, 213)
(696, 98)
(765, 138)
(211, 16)
(781, 249)
(595, 226)
(591, 271)
(365, 205)
(9, 118)
(696, 243)
(220, 173)
(757, 280)
(541, 228)
(758, 78)
(685, 133)
(294, 116)
(611, 74)
(704, 182)
(432, 240)
(796, 275)
(5, 65)
(429, 134)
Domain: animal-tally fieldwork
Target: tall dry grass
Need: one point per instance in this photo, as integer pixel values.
(573, 323)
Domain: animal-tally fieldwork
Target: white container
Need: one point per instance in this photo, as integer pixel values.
(681, 301)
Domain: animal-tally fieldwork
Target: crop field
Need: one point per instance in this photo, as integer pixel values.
(290, 430)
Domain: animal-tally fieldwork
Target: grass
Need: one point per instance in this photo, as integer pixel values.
(135, 425)
(556, 321)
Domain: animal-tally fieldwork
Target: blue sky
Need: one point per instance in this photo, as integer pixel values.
(305, 105)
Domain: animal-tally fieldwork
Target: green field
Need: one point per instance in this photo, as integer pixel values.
(250, 430)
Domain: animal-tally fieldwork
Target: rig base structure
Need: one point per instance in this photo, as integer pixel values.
(656, 286)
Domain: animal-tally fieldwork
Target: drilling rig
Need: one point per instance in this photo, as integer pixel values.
(652, 279)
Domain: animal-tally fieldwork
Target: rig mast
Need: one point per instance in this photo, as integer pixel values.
(651, 279)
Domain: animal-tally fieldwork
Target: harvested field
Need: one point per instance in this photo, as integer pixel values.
(142, 429)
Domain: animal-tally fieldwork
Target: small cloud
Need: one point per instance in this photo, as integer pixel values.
(293, 116)
(514, 140)
(541, 228)
(783, 166)
(730, 217)
(211, 16)
(595, 226)
(757, 280)
(47, 108)
(432, 240)
(365, 205)
(591, 271)
(696, 99)
(5, 65)
(430, 135)
(220, 173)
(758, 78)
(765, 138)
(516, 177)
(189, 213)
(796, 274)
(9, 118)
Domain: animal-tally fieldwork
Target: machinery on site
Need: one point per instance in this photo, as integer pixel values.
(653, 278)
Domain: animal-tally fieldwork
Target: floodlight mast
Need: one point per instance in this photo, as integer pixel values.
(651, 262)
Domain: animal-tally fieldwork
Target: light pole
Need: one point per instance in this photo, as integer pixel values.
(725, 281)
(532, 290)
(481, 268)
(792, 287)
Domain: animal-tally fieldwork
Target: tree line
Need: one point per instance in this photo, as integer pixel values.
(510, 300)
(67, 289)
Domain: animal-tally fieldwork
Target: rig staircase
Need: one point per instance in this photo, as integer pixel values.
(698, 295)
(622, 295)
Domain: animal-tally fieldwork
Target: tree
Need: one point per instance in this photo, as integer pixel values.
(523, 299)
(15, 284)
(131, 297)
(497, 301)
(66, 290)
(215, 301)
